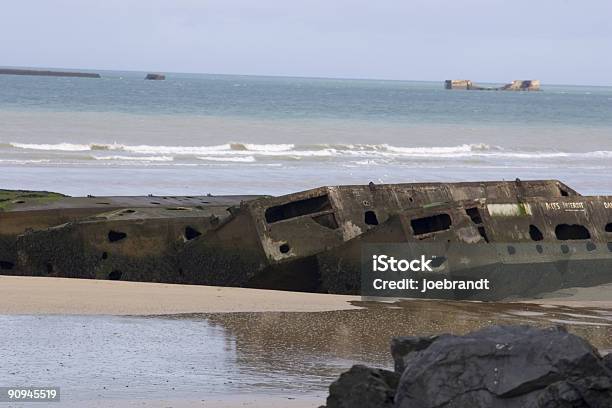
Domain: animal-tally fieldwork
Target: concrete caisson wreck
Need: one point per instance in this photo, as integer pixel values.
(130, 238)
(37, 72)
(525, 236)
(155, 77)
(516, 85)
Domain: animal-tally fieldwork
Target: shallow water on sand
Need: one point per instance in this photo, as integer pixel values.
(289, 354)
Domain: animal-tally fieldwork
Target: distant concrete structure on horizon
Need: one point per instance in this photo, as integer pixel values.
(37, 72)
(516, 85)
(155, 77)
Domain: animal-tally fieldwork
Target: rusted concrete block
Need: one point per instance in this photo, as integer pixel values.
(271, 242)
(523, 247)
(127, 244)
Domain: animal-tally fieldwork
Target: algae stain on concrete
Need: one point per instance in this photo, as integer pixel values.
(11, 199)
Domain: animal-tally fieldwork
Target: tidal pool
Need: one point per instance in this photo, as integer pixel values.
(196, 356)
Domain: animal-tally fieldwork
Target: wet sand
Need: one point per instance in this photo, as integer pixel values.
(597, 296)
(243, 359)
(224, 402)
(129, 344)
(38, 295)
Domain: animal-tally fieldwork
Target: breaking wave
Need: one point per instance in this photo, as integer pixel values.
(235, 152)
(65, 147)
(136, 158)
(245, 159)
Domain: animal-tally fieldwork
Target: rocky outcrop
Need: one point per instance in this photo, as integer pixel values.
(608, 361)
(403, 347)
(508, 366)
(362, 386)
(499, 366)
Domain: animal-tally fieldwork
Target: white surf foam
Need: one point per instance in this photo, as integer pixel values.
(136, 158)
(66, 147)
(249, 152)
(246, 159)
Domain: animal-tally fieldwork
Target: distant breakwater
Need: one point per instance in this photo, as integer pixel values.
(5, 71)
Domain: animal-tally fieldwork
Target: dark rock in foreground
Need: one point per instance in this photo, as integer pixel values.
(506, 366)
(499, 366)
(608, 361)
(403, 347)
(362, 386)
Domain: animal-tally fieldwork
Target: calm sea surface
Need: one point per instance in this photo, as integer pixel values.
(194, 134)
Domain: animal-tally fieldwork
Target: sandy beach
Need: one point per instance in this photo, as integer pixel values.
(42, 295)
(38, 295)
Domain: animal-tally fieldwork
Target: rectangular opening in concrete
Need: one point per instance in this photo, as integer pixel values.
(298, 208)
(435, 223)
(566, 232)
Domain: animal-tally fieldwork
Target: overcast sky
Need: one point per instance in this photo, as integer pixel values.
(557, 41)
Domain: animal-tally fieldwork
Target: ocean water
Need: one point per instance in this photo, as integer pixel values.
(195, 134)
